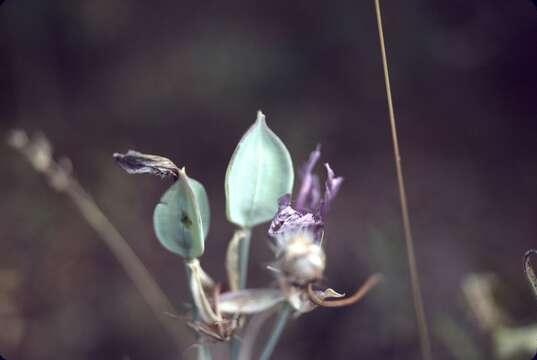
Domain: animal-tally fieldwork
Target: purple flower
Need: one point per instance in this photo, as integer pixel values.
(310, 189)
(310, 209)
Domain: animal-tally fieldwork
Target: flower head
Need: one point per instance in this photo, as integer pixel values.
(309, 211)
(296, 234)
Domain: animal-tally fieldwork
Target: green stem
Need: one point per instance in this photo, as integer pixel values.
(203, 352)
(235, 348)
(244, 253)
(277, 330)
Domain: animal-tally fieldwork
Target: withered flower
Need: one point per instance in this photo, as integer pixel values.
(296, 235)
(258, 183)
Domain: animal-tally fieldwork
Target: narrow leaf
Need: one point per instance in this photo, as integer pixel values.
(259, 173)
(233, 260)
(249, 301)
(181, 219)
(200, 299)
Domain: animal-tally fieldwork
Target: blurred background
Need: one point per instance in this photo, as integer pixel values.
(184, 79)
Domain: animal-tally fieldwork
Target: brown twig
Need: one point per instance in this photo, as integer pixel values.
(38, 151)
(425, 344)
(358, 295)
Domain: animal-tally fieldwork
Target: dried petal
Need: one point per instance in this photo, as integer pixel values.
(309, 193)
(299, 299)
(284, 201)
(328, 294)
(134, 162)
(249, 301)
(308, 212)
(332, 186)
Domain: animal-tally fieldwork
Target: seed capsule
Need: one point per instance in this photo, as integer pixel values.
(303, 259)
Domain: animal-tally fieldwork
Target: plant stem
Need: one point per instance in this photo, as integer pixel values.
(277, 330)
(235, 348)
(423, 331)
(244, 254)
(203, 352)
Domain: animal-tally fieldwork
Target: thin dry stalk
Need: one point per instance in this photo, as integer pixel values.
(425, 344)
(39, 153)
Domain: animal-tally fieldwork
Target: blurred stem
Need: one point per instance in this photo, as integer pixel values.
(203, 351)
(38, 152)
(277, 330)
(252, 331)
(423, 330)
(235, 348)
(244, 254)
(456, 339)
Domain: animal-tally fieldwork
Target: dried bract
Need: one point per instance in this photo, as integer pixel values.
(134, 162)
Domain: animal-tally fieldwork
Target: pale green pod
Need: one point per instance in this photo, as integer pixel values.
(181, 218)
(259, 173)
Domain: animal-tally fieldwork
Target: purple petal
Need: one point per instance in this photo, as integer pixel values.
(331, 188)
(284, 201)
(315, 193)
(308, 195)
(288, 221)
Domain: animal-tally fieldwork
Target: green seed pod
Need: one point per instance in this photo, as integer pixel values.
(259, 173)
(181, 218)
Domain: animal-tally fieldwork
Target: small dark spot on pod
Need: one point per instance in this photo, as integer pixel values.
(185, 220)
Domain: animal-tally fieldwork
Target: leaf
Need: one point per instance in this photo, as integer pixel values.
(259, 173)
(181, 219)
(249, 301)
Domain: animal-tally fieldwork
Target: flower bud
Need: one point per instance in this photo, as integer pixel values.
(303, 259)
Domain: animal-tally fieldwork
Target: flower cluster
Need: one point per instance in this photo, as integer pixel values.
(295, 234)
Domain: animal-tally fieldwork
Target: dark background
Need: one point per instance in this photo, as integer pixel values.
(185, 79)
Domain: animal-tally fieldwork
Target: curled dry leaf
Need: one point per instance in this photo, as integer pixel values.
(134, 162)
